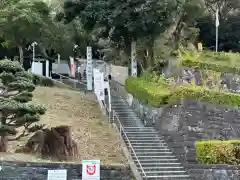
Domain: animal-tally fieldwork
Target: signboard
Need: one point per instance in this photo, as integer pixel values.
(99, 84)
(57, 174)
(91, 170)
(89, 69)
(133, 59)
(72, 66)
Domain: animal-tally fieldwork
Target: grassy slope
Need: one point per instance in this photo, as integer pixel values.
(95, 138)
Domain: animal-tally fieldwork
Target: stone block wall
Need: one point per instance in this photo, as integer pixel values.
(213, 172)
(38, 171)
(185, 122)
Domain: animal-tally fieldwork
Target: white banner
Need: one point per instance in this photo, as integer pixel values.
(133, 59)
(99, 85)
(72, 66)
(91, 170)
(89, 69)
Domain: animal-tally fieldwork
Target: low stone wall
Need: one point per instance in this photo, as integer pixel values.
(211, 79)
(187, 121)
(38, 171)
(213, 172)
(183, 123)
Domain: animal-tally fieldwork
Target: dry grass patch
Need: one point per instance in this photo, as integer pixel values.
(95, 138)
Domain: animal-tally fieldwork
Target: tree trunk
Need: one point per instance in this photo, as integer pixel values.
(20, 48)
(3, 143)
(43, 50)
(55, 143)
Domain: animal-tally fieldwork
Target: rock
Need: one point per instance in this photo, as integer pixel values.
(55, 143)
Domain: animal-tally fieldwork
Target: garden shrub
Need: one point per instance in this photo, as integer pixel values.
(160, 94)
(42, 80)
(218, 152)
(220, 62)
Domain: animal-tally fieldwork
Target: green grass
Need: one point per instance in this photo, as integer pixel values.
(220, 62)
(160, 94)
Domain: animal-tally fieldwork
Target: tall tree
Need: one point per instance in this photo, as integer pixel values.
(21, 22)
(124, 21)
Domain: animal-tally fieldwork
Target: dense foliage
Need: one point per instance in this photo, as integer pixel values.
(220, 62)
(218, 152)
(162, 92)
(15, 106)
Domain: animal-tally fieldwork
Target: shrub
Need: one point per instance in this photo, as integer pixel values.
(42, 80)
(19, 116)
(217, 152)
(220, 62)
(160, 94)
(147, 92)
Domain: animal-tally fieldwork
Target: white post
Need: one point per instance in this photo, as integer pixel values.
(133, 59)
(47, 68)
(59, 61)
(33, 59)
(217, 25)
(89, 69)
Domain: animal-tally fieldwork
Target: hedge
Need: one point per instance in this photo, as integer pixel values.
(218, 152)
(158, 95)
(220, 62)
(45, 81)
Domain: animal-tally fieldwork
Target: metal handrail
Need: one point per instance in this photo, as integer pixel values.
(69, 78)
(122, 129)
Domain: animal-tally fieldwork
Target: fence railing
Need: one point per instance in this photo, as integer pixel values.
(74, 83)
(113, 118)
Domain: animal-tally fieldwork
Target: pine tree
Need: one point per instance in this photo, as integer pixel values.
(16, 110)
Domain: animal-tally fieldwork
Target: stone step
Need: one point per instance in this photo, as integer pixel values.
(156, 160)
(162, 168)
(167, 177)
(153, 150)
(138, 153)
(159, 164)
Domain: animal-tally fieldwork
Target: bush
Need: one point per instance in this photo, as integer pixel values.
(147, 92)
(42, 80)
(160, 94)
(218, 152)
(220, 62)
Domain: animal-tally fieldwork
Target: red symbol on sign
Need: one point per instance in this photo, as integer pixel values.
(91, 169)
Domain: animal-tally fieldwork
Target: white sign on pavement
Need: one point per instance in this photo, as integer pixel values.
(57, 174)
(91, 170)
(89, 69)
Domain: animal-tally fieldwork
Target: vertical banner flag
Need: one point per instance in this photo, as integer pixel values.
(72, 66)
(99, 84)
(89, 69)
(133, 59)
(91, 170)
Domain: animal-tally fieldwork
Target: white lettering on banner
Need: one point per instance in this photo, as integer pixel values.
(89, 70)
(133, 59)
(99, 85)
(91, 170)
(57, 174)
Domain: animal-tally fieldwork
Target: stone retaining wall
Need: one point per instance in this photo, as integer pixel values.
(213, 172)
(187, 121)
(38, 171)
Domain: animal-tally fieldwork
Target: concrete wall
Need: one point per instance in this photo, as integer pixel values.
(38, 171)
(119, 73)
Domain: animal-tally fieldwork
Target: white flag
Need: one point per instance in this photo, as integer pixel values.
(217, 19)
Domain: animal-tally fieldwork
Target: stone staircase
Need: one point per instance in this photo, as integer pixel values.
(151, 155)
